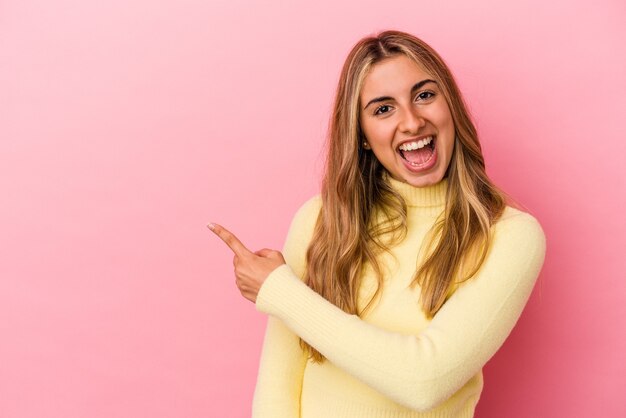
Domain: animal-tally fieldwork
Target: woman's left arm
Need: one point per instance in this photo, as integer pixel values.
(420, 371)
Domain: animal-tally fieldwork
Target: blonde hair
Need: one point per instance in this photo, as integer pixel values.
(354, 193)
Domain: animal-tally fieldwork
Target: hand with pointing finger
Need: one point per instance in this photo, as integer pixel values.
(251, 268)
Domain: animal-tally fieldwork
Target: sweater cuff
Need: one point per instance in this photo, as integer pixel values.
(276, 288)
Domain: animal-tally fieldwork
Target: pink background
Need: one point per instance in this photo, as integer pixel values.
(126, 126)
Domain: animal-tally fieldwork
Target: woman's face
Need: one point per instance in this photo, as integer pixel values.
(401, 109)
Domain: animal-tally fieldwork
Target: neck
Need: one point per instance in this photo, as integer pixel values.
(428, 196)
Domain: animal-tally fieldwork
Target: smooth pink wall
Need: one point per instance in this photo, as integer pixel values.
(126, 126)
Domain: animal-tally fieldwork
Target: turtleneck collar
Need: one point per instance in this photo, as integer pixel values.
(428, 196)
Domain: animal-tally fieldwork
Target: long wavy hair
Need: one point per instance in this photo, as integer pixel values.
(359, 208)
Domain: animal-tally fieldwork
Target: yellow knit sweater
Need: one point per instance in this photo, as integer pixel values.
(393, 362)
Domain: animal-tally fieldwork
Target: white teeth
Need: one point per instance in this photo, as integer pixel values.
(409, 146)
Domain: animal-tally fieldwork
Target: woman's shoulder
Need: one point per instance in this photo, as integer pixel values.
(308, 210)
(520, 225)
(300, 234)
(306, 215)
(311, 206)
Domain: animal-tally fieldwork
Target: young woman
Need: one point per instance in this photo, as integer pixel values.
(410, 269)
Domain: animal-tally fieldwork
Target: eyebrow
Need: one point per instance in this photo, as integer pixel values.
(415, 87)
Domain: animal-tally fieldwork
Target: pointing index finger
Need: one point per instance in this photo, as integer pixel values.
(229, 239)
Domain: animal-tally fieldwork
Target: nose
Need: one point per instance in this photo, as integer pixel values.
(411, 121)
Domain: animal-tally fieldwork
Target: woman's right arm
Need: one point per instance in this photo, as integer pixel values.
(282, 362)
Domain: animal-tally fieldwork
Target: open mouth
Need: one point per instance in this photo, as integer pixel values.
(418, 153)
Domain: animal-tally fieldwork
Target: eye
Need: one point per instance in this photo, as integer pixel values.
(425, 95)
(379, 108)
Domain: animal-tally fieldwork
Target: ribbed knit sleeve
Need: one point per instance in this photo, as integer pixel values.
(421, 371)
(281, 366)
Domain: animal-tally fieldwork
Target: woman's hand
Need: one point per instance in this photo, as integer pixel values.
(251, 269)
